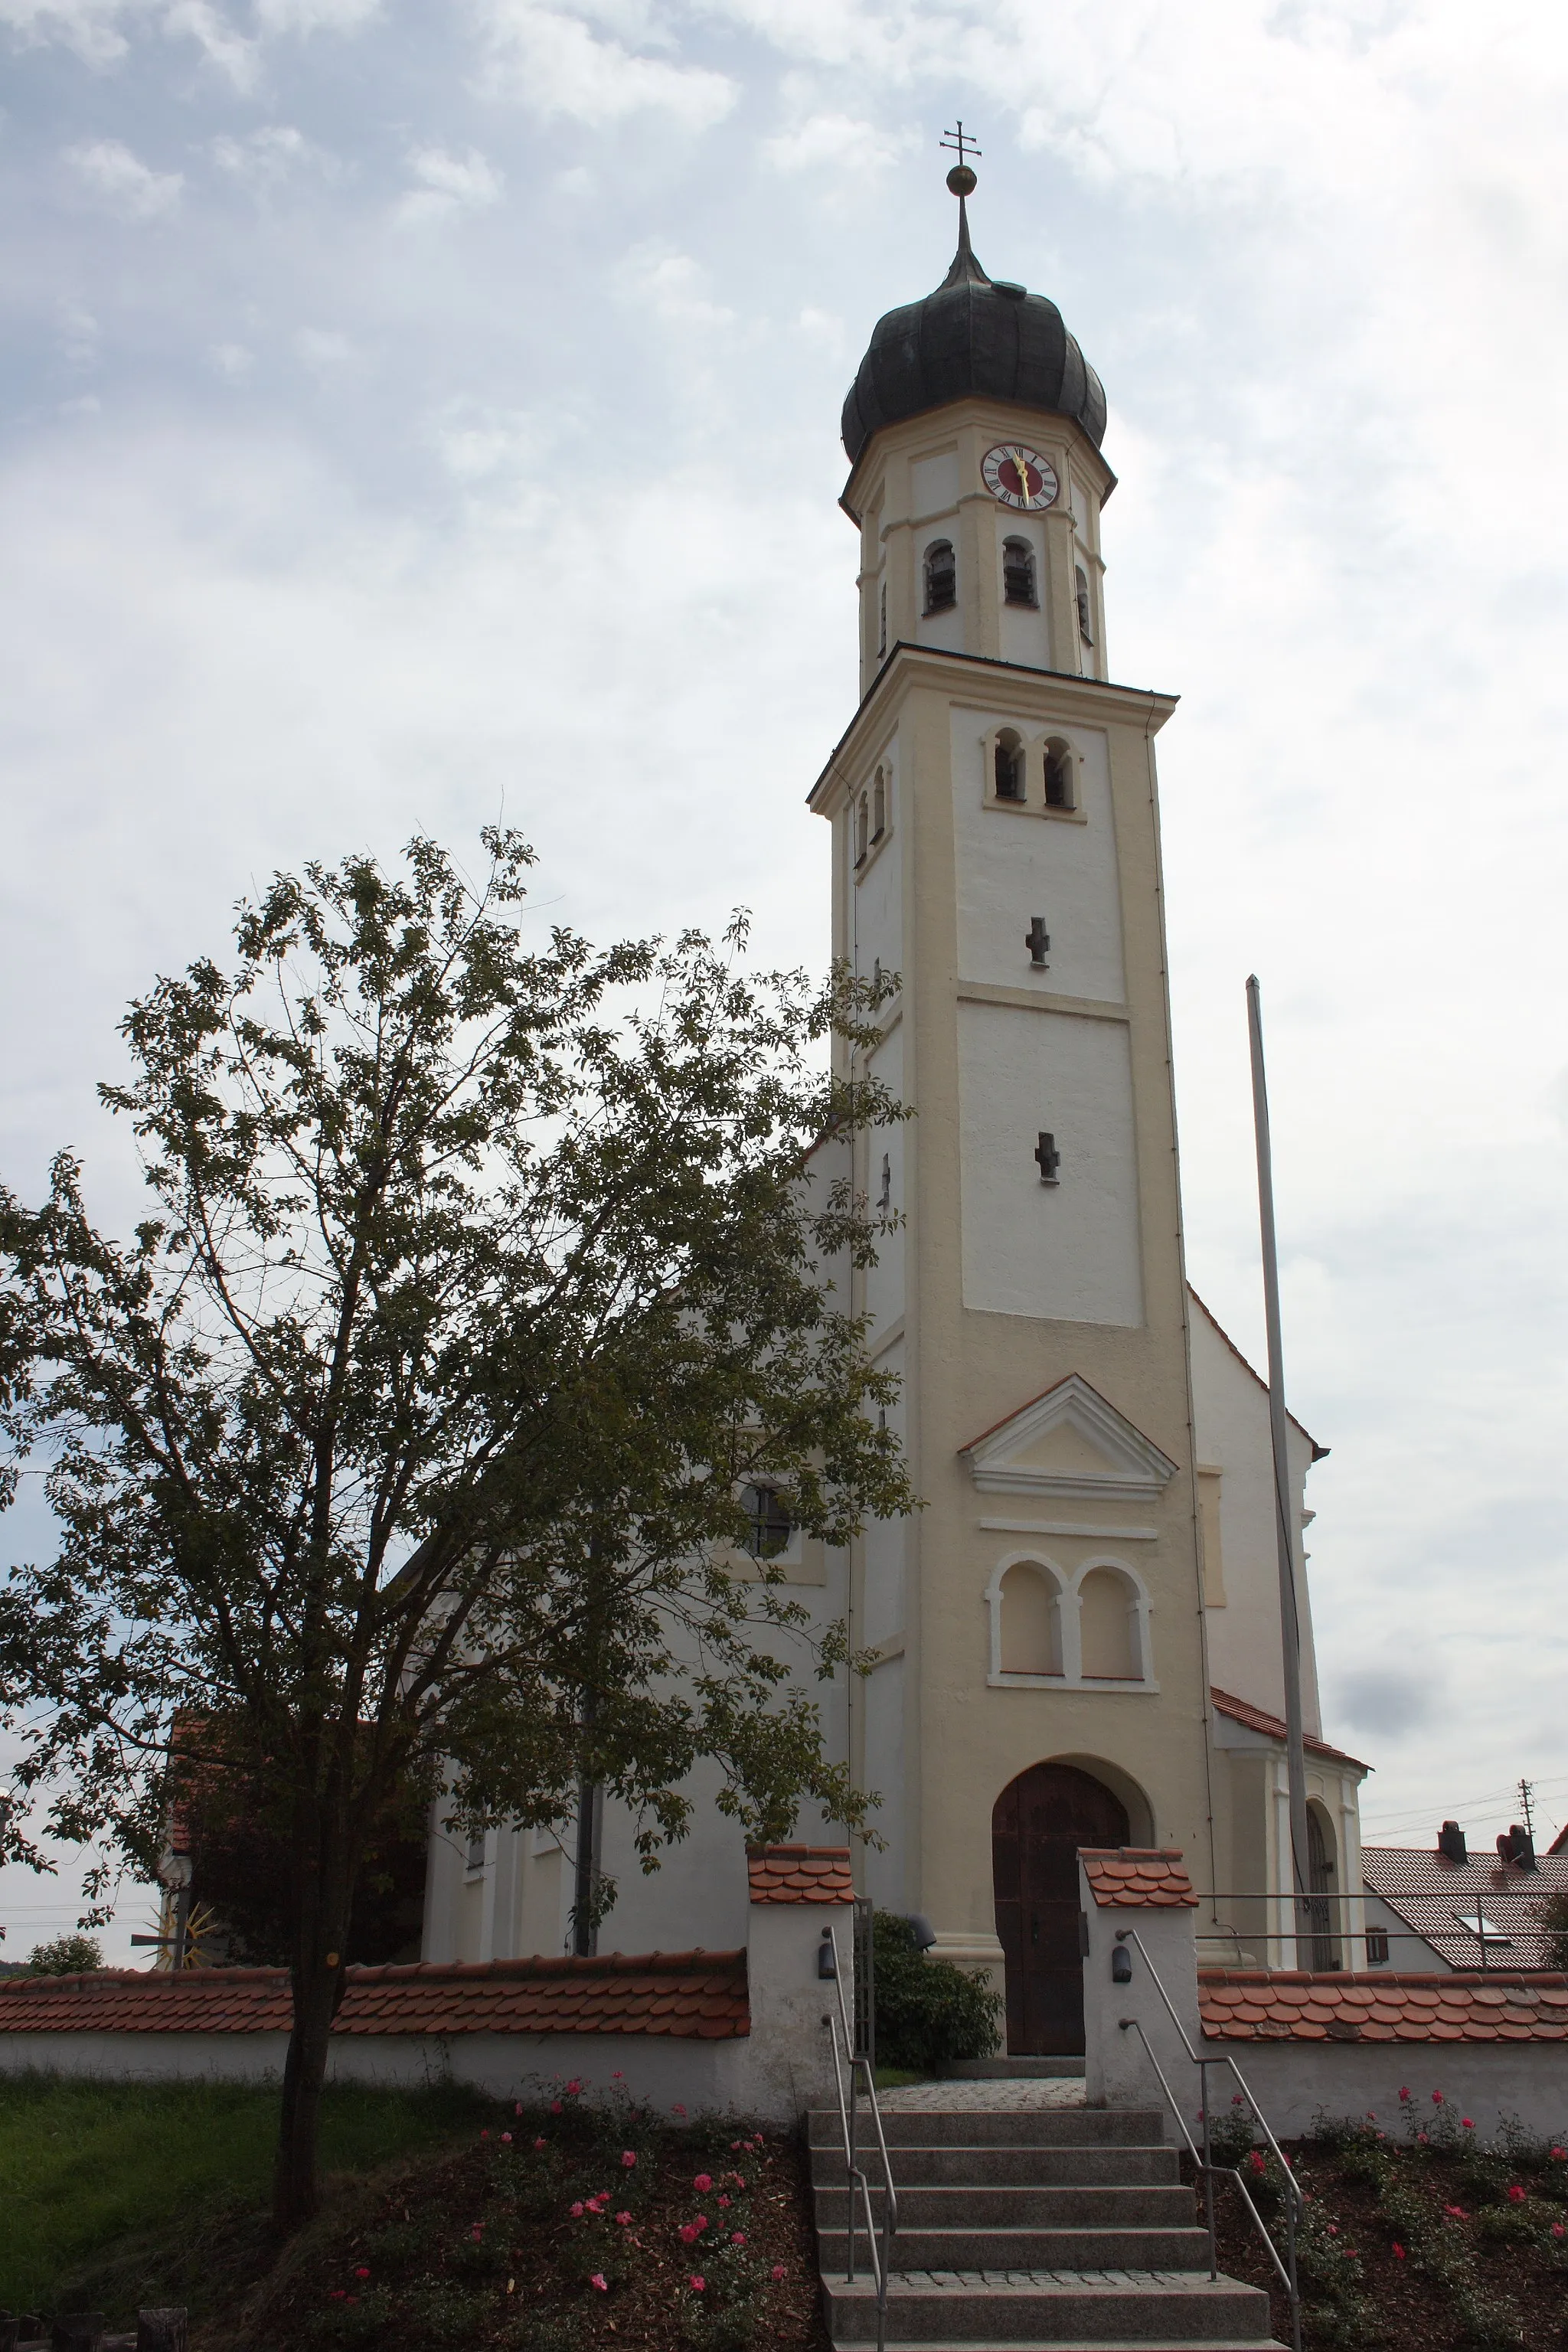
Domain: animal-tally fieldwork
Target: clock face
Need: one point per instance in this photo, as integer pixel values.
(1019, 477)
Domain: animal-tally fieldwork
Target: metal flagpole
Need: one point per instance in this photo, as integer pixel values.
(1287, 1532)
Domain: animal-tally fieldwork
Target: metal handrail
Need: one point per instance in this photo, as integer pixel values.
(1295, 2201)
(846, 2059)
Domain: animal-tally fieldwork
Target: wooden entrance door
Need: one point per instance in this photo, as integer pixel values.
(1040, 1821)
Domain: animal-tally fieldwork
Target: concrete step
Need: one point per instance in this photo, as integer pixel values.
(974, 2309)
(1102, 2344)
(1012, 2070)
(1118, 2205)
(1010, 2251)
(1024, 2168)
(1000, 2127)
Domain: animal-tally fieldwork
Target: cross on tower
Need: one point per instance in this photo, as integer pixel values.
(960, 142)
(1049, 1157)
(1038, 940)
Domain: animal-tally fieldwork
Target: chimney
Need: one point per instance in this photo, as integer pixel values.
(1451, 1841)
(1516, 1846)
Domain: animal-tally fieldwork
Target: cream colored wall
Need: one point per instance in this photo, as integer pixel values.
(922, 481)
(980, 1047)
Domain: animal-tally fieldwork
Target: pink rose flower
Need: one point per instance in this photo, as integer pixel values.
(1404, 2094)
(577, 2211)
(696, 2284)
(677, 2109)
(778, 2271)
(1560, 2153)
(703, 2182)
(624, 2218)
(723, 2201)
(574, 2086)
(539, 2143)
(1398, 2254)
(506, 2137)
(1437, 2098)
(484, 2135)
(598, 2279)
(1456, 2212)
(556, 2107)
(687, 2234)
(1557, 2229)
(362, 2272)
(628, 2157)
(1516, 2195)
(1465, 2124)
(738, 2238)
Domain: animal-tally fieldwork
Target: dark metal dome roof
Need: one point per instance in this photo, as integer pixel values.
(974, 334)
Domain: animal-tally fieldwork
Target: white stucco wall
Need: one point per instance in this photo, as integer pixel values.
(1296, 2082)
(1230, 1407)
(1069, 1251)
(1010, 867)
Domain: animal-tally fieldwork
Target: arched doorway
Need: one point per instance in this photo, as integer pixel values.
(1038, 1824)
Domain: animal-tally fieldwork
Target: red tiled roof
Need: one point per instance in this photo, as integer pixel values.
(687, 1996)
(800, 1874)
(1431, 1894)
(1258, 1718)
(1252, 2005)
(1137, 1878)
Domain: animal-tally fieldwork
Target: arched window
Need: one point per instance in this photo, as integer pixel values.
(1085, 626)
(861, 832)
(1031, 1621)
(768, 1525)
(941, 577)
(882, 619)
(1008, 766)
(1018, 573)
(878, 806)
(1060, 792)
(1106, 1616)
(1325, 1947)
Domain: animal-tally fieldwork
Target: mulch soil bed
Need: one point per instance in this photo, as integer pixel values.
(1415, 2241)
(557, 2228)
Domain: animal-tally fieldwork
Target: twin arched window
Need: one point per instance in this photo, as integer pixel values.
(1061, 789)
(1090, 1627)
(1018, 573)
(1008, 766)
(941, 576)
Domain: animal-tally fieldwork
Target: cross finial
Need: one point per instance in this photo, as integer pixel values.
(960, 143)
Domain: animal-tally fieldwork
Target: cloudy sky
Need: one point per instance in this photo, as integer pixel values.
(416, 413)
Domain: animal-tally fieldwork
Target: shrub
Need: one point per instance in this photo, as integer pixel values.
(1552, 1912)
(67, 1956)
(928, 2011)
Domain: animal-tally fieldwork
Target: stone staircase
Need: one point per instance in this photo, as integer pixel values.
(1030, 2226)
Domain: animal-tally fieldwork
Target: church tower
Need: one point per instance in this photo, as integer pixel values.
(1038, 1626)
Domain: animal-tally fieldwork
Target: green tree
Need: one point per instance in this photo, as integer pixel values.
(404, 1447)
(67, 1956)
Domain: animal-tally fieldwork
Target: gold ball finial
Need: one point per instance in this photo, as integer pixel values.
(961, 180)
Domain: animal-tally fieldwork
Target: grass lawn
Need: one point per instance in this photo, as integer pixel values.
(104, 2185)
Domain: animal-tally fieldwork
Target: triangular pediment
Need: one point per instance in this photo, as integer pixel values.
(1068, 1442)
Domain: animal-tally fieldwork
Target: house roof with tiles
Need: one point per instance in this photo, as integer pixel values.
(1138, 1878)
(800, 1874)
(1252, 2005)
(1435, 1895)
(684, 1996)
(1258, 1718)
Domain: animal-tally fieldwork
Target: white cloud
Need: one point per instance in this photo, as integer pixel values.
(836, 143)
(450, 184)
(548, 61)
(233, 361)
(129, 187)
(672, 285)
(89, 27)
(322, 349)
(315, 15)
(263, 158)
(219, 42)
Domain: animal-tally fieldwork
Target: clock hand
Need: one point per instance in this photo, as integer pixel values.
(1022, 463)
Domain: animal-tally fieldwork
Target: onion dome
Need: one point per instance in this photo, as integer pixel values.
(974, 334)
